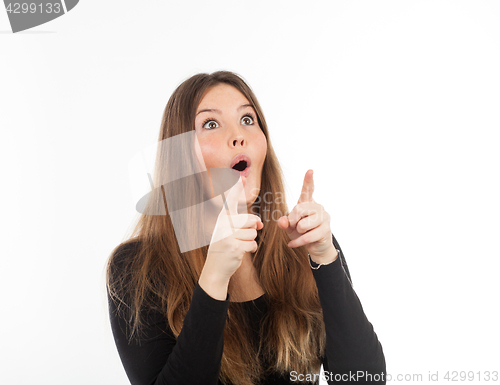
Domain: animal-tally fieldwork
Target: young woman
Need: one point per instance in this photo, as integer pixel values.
(269, 298)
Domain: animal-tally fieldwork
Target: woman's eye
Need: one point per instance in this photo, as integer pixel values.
(211, 124)
(248, 119)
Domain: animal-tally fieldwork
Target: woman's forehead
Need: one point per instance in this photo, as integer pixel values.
(222, 94)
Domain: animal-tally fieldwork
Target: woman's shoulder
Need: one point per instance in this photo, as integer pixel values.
(123, 254)
(120, 270)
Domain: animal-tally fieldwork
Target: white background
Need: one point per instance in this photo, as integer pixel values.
(393, 104)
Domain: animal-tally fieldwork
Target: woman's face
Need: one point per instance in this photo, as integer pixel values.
(226, 126)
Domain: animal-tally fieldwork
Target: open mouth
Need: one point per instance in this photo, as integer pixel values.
(242, 167)
(241, 163)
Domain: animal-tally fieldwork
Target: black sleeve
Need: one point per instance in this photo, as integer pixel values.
(353, 351)
(158, 358)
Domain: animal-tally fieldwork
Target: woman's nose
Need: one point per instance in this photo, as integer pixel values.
(239, 140)
(237, 137)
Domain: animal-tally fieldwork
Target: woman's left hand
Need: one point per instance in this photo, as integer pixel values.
(308, 224)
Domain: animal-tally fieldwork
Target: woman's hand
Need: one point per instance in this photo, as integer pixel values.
(308, 224)
(234, 236)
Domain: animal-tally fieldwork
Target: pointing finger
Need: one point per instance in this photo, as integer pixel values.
(307, 188)
(232, 199)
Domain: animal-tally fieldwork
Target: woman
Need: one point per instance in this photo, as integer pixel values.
(269, 299)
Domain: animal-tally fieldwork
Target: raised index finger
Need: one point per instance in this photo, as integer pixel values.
(307, 188)
(232, 198)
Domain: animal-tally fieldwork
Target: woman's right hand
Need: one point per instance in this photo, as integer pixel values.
(234, 236)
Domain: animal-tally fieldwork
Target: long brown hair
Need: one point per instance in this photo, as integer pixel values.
(161, 278)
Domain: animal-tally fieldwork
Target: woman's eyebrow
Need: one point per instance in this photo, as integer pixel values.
(218, 111)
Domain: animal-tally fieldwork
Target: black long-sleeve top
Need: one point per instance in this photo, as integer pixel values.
(352, 354)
